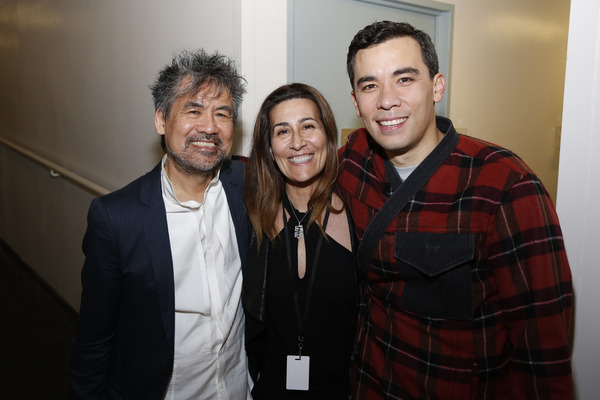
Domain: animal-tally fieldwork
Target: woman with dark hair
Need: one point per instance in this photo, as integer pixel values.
(299, 287)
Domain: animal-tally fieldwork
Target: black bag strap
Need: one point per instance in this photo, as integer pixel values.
(401, 196)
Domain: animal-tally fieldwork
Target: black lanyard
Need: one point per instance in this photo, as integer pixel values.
(293, 274)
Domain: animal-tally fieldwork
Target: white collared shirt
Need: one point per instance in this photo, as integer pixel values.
(210, 359)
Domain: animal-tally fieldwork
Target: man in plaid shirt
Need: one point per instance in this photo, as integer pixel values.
(466, 289)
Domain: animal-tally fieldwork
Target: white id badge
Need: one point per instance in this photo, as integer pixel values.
(297, 373)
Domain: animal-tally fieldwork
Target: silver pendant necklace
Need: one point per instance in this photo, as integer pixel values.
(298, 229)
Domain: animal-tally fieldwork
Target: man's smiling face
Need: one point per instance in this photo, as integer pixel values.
(198, 130)
(394, 96)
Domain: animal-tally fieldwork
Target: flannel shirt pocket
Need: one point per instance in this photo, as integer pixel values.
(436, 270)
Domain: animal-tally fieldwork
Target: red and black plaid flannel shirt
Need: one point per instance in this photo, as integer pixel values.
(468, 294)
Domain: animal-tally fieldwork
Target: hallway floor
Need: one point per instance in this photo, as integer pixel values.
(35, 336)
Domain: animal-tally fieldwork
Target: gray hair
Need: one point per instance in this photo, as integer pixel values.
(201, 69)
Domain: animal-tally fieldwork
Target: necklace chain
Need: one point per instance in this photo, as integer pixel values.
(298, 229)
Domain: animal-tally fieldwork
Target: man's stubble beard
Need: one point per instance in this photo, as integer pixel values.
(188, 166)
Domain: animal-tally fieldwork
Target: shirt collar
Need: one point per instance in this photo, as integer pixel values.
(169, 192)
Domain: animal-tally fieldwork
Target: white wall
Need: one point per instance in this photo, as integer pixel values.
(264, 55)
(579, 188)
(508, 76)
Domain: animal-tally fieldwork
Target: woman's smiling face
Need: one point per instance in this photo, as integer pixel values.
(298, 141)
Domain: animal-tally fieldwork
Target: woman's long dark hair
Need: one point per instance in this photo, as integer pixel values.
(264, 185)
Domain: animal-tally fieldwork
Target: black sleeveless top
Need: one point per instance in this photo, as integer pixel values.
(330, 325)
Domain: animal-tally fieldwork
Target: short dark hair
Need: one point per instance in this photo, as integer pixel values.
(382, 31)
(264, 185)
(201, 69)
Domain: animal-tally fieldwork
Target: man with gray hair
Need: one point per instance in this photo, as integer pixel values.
(160, 313)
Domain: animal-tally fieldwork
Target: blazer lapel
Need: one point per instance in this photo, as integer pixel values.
(232, 178)
(159, 248)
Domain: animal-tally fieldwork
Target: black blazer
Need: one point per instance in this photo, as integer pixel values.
(124, 344)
